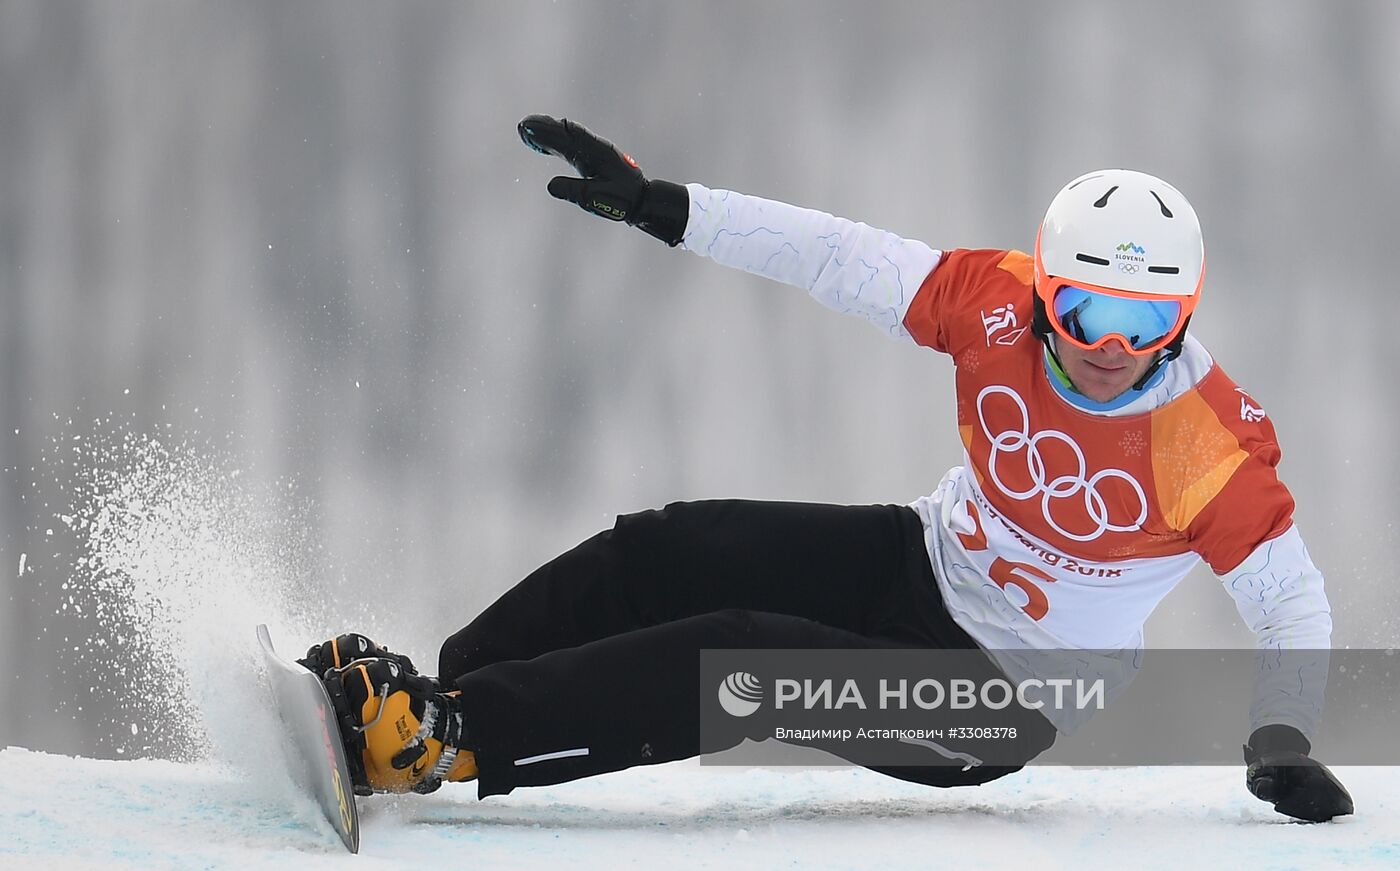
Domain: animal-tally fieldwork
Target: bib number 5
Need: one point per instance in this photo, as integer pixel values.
(1005, 573)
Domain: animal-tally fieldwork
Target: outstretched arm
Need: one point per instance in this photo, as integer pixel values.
(847, 266)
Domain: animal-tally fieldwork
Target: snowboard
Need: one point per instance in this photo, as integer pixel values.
(313, 748)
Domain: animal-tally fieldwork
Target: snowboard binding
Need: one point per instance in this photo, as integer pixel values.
(344, 649)
(401, 732)
(350, 736)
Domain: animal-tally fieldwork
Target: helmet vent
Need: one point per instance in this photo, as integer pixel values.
(1089, 258)
(1165, 270)
(1103, 200)
(1166, 212)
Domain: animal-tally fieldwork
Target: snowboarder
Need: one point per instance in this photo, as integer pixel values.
(1105, 454)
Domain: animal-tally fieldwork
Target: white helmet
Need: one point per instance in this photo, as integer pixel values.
(1120, 229)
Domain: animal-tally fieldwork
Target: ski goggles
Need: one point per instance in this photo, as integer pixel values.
(1089, 316)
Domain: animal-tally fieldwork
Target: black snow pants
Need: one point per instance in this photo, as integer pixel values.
(591, 664)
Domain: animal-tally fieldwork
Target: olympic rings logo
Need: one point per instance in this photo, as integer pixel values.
(1013, 441)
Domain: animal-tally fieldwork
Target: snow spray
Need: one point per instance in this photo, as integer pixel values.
(177, 553)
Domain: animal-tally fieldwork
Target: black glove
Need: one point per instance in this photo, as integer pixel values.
(1281, 773)
(612, 186)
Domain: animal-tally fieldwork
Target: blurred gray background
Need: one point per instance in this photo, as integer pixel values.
(309, 229)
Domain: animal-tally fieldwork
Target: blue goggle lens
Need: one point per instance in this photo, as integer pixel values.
(1088, 316)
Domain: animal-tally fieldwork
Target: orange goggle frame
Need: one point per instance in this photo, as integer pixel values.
(1071, 308)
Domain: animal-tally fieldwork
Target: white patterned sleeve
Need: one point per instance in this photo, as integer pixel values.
(849, 267)
(1278, 592)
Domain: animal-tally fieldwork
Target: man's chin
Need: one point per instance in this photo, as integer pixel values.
(1102, 392)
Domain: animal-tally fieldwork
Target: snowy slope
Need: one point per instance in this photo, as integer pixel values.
(63, 812)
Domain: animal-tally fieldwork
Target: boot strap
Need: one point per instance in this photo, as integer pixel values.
(351, 737)
(444, 763)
